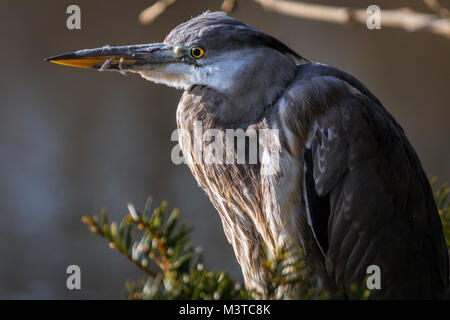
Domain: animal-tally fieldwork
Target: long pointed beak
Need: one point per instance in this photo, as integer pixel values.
(119, 58)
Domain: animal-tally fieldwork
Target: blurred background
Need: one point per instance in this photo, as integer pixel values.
(74, 141)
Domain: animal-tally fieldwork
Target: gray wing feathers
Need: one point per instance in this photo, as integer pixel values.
(381, 209)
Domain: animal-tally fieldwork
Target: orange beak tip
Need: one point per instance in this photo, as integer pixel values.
(91, 61)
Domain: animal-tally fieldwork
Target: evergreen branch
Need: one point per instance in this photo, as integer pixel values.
(441, 197)
(101, 231)
(158, 237)
(167, 244)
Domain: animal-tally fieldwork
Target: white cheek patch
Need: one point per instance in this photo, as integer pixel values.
(174, 75)
(172, 80)
(218, 77)
(218, 74)
(224, 70)
(178, 75)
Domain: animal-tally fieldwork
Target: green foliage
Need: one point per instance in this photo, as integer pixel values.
(443, 204)
(156, 243)
(286, 276)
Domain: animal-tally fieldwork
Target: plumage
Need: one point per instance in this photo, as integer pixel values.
(347, 187)
(367, 172)
(364, 188)
(367, 196)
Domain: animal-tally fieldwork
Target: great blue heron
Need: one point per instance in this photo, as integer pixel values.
(349, 190)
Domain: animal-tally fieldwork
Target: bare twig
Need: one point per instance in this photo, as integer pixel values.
(228, 6)
(151, 13)
(404, 18)
(438, 8)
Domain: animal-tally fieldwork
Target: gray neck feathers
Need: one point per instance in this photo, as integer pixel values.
(257, 81)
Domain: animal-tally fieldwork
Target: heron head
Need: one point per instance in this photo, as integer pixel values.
(212, 49)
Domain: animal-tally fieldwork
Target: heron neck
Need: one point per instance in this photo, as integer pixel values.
(253, 90)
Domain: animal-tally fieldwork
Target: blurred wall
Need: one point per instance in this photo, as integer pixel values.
(73, 141)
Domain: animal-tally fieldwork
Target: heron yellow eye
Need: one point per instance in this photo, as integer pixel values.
(197, 52)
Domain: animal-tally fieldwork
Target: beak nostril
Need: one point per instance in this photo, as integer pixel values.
(153, 49)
